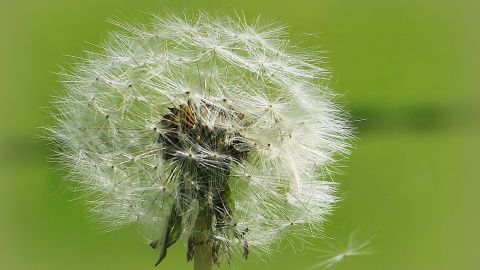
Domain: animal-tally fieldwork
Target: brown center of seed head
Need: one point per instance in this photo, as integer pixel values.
(209, 131)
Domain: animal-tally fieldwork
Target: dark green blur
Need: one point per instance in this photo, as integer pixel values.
(408, 71)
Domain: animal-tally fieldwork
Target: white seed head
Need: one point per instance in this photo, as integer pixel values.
(202, 114)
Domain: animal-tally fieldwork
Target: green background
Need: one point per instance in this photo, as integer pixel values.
(409, 72)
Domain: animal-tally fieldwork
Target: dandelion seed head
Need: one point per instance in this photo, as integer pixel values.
(194, 116)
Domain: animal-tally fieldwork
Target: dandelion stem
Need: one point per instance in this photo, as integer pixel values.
(202, 259)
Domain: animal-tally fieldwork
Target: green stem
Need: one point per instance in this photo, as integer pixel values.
(202, 259)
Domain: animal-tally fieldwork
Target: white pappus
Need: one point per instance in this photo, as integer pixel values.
(211, 130)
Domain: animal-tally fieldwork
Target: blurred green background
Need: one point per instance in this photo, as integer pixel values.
(409, 72)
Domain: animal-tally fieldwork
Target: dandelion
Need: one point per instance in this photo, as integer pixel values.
(212, 131)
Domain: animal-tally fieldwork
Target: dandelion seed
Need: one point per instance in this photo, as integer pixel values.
(343, 249)
(207, 130)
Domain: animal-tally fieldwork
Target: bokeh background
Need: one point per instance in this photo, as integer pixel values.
(409, 72)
